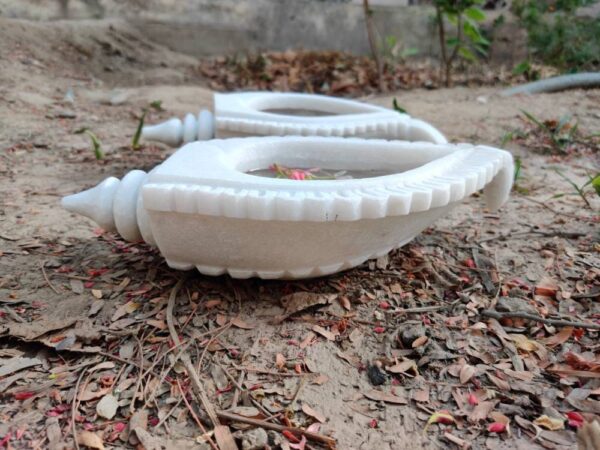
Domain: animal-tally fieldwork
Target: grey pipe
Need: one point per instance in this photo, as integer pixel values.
(561, 83)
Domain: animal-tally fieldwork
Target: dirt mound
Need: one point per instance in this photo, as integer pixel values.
(105, 51)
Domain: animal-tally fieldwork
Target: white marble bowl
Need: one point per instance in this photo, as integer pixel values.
(285, 114)
(203, 209)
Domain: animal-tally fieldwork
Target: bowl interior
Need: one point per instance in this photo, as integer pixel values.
(316, 160)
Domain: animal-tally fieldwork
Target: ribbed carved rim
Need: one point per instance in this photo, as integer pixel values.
(380, 124)
(241, 112)
(465, 170)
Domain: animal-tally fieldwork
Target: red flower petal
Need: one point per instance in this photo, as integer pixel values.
(24, 395)
(497, 427)
(575, 419)
(473, 400)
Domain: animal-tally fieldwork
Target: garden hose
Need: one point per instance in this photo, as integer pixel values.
(560, 83)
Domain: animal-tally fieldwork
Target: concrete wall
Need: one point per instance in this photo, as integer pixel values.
(212, 27)
(208, 27)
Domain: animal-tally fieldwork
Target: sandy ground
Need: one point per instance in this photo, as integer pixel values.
(113, 74)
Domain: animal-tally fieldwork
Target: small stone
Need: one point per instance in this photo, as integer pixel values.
(275, 439)
(126, 350)
(119, 98)
(512, 304)
(107, 406)
(255, 439)
(408, 335)
(65, 114)
(376, 375)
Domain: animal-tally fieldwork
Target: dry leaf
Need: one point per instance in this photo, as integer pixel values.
(559, 338)
(210, 304)
(550, 423)
(466, 373)
(547, 287)
(299, 301)
(500, 383)
(279, 361)
(221, 319)
(325, 333)
(320, 379)
(237, 322)
(499, 417)
(420, 341)
(381, 396)
(91, 440)
(481, 411)
(403, 367)
(310, 336)
(312, 413)
(122, 310)
(345, 303)
(421, 395)
(88, 394)
(523, 343)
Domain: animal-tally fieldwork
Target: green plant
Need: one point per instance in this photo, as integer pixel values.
(135, 142)
(96, 145)
(557, 35)
(582, 191)
(395, 52)
(468, 42)
(558, 137)
(397, 107)
(525, 68)
(561, 133)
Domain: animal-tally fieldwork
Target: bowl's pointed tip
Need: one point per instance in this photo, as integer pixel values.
(95, 203)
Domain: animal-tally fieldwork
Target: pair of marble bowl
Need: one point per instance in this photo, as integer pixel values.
(207, 207)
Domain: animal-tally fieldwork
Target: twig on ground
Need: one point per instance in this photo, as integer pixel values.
(75, 406)
(185, 358)
(301, 384)
(195, 417)
(47, 279)
(549, 208)
(423, 309)
(552, 233)
(523, 315)
(236, 394)
(298, 432)
(269, 372)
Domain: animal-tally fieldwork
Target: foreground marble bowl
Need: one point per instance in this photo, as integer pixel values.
(284, 114)
(203, 209)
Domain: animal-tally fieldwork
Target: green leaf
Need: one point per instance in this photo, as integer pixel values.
(596, 184)
(534, 120)
(517, 168)
(467, 54)
(521, 68)
(397, 107)
(98, 153)
(410, 51)
(135, 142)
(452, 17)
(508, 136)
(475, 14)
(157, 105)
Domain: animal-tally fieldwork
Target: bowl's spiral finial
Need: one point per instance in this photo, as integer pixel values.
(113, 205)
(175, 132)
